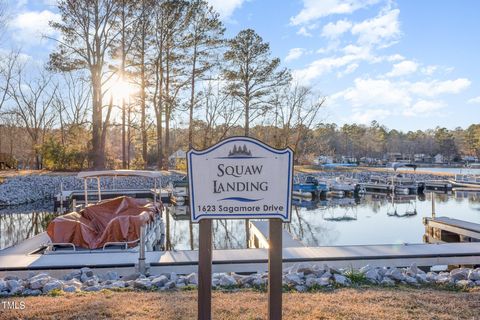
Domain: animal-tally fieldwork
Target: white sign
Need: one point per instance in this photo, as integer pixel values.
(240, 177)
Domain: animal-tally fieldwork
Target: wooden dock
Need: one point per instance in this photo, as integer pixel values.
(17, 260)
(444, 229)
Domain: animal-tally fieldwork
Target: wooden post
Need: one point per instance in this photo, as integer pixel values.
(205, 270)
(275, 270)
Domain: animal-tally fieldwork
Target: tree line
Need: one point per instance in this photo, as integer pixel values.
(130, 82)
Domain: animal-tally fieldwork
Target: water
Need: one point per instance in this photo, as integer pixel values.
(475, 171)
(369, 220)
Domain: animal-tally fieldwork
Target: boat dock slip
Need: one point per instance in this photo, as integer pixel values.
(259, 232)
(66, 199)
(12, 261)
(443, 229)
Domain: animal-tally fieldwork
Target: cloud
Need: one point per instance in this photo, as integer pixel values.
(475, 100)
(352, 55)
(368, 115)
(294, 54)
(29, 27)
(333, 30)
(424, 107)
(436, 87)
(315, 9)
(226, 7)
(398, 97)
(403, 68)
(385, 26)
(349, 69)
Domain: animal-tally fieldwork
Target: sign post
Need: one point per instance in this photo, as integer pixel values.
(240, 178)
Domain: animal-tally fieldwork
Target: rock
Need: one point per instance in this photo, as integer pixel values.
(132, 276)
(473, 275)
(326, 276)
(70, 289)
(443, 279)
(321, 282)
(13, 284)
(173, 277)
(74, 282)
(144, 284)
(170, 285)
(159, 281)
(52, 285)
(365, 269)
(17, 290)
(111, 275)
(431, 277)
(395, 274)
(72, 275)
(87, 272)
(259, 282)
(192, 278)
(387, 282)
(30, 292)
(118, 284)
(301, 288)
(3, 285)
(333, 270)
(92, 288)
(293, 279)
(410, 280)
(421, 277)
(372, 276)
(459, 274)
(305, 269)
(38, 283)
(342, 280)
(227, 281)
(93, 281)
(11, 278)
(465, 283)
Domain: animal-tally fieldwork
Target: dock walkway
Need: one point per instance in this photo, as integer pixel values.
(13, 261)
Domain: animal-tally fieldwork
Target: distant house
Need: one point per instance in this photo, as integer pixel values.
(470, 159)
(324, 160)
(439, 158)
(349, 159)
(422, 157)
(178, 160)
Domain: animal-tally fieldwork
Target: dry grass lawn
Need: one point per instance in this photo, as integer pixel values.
(369, 303)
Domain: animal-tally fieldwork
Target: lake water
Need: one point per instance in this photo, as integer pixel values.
(368, 220)
(475, 171)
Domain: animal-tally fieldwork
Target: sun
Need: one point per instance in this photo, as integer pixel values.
(121, 90)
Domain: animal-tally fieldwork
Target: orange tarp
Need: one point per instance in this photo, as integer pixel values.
(112, 220)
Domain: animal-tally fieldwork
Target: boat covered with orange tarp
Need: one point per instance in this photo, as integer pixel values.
(115, 220)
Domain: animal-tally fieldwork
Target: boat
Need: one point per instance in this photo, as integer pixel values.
(311, 187)
(179, 191)
(122, 223)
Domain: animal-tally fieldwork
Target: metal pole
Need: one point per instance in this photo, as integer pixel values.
(98, 187)
(61, 197)
(85, 192)
(141, 257)
(275, 270)
(205, 270)
(433, 205)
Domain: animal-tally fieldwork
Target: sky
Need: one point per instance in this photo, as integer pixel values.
(407, 64)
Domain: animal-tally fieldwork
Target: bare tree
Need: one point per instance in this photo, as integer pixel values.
(33, 100)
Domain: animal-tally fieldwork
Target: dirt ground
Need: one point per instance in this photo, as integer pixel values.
(348, 303)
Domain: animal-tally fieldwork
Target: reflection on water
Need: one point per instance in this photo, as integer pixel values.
(373, 219)
(23, 222)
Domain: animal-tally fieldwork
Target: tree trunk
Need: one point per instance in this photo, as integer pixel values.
(98, 156)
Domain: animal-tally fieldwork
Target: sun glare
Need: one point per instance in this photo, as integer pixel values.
(122, 90)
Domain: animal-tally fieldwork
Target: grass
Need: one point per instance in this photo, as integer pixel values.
(346, 303)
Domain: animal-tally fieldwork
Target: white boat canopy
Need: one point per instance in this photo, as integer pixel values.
(113, 173)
